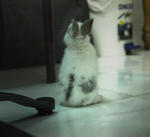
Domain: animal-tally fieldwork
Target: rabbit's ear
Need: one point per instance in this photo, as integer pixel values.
(75, 28)
(86, 27)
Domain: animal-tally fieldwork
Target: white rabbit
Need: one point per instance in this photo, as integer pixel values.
(78, 73)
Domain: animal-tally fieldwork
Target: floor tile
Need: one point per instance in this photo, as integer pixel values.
(133, 124)
(124, 83)
(112, 119)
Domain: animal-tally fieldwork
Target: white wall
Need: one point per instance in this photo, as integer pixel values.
(106, 22)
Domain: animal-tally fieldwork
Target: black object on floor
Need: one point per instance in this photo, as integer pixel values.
(44, 105)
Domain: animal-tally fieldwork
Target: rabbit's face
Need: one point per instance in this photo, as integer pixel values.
(78, 31)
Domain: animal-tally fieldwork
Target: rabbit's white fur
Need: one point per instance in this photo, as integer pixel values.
(80, 63)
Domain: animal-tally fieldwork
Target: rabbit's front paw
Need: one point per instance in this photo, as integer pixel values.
(97, 99)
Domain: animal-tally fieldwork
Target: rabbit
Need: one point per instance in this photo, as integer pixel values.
(78, 74)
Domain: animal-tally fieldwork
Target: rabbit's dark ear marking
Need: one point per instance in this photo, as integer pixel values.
(75, 28)
(86, 27)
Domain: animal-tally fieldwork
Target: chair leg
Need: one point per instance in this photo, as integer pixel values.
(146, 4)
(49, 48)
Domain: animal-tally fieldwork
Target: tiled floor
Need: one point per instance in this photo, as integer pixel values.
(124, 112)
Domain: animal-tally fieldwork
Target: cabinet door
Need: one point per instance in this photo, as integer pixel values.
(23, 33)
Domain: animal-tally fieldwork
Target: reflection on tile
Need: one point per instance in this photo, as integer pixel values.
(125, 83)
(138, 64)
